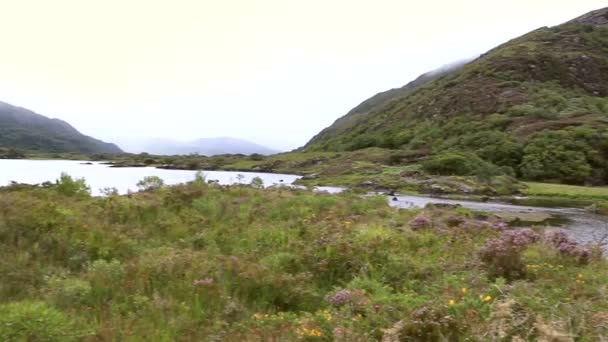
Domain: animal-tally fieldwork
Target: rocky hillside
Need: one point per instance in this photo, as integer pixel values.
(25, 130)
(536, 106)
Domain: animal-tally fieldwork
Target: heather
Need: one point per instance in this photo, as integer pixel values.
(207, 262)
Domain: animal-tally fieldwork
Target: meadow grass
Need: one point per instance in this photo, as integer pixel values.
(563, 190)
(201, 262)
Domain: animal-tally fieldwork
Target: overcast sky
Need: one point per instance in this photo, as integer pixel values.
(272, 71)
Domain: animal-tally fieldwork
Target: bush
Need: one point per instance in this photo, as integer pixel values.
(557, 156)
(257, 182)
(459, 164)
(68, 292)
(34, 321)
(502, 255)
(568, 247)
(150, 183)
(69, 186)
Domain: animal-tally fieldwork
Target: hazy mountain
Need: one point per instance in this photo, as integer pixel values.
(206, 146)
(23, 129)
(537, 104)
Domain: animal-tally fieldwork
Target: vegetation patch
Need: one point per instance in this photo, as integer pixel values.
(237, 263)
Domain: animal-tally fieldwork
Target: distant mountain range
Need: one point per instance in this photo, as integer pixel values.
(23, 129)
(206, 146)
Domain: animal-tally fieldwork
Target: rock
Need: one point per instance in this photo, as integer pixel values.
(395, 199)
(129, 165)
(367, 183)
(310, 176)
(87, 163)
(595, 18)
(443, 205)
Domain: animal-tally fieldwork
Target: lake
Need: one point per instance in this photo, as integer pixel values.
(584, 226)
(99, 176)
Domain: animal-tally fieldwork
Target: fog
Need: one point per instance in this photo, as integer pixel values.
(271, 71)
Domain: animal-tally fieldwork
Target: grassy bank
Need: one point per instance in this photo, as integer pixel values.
(213, 263)
(569, 191)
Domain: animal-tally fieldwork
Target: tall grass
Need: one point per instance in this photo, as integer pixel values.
(205, 262)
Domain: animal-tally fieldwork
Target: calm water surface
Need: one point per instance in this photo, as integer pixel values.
(99, 176)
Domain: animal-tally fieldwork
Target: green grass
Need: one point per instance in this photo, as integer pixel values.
(203, 262)
(570, 191)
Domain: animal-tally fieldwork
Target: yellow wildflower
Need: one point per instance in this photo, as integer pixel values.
(580, 275)
(452, 302)
(315, 332)
(487, 298)
(463, 290)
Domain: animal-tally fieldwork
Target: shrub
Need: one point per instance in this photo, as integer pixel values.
(430, 324)
(566, 246)
(200, 178)
(150, 183)
(421, 221)
(459, 164)
(105, 276)
(557, 156)
(67, 292)
(69, 186)
(257, 182)
(341, 297)
(34, 321)
(503, 255)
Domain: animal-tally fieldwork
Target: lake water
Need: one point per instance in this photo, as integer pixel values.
(584, 226)
(99, 176)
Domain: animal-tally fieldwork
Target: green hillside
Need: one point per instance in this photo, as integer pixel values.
(536, 106)
(25, 130)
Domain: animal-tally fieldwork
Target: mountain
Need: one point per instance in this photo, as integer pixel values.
(537, 106)
(25, 130)
(206, 146)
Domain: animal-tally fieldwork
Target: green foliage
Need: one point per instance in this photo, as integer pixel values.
(34, 321)
(153, 183)
(69, 186)
(257, 182)
(556, 157)
(460, 164)
(196, 262)
(200, 178)
(498, 106)
(68, 292)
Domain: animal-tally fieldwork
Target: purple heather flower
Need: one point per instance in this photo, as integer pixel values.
(420, 221)
(346, 296)
(567, 246)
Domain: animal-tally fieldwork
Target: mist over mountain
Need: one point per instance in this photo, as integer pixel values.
(23, 129)
(203, 146)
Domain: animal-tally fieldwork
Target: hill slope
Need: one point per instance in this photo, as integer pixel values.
(23, 129)
(537, 105)
(205, 146)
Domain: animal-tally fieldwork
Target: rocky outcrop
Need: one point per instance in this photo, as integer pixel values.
(595, 18)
